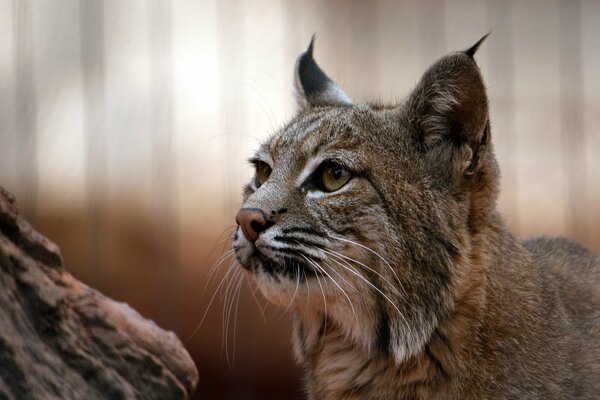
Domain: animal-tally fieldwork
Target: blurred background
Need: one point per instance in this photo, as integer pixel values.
(125, 129)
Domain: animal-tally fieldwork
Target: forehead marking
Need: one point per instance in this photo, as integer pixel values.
(304, 127)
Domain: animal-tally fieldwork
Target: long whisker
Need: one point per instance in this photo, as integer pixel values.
(231, 230)
(312, 262)
(209, 304)
(260, 306)
(351, 270)
(229, 237)
(324, 304)
(318, 248)
(295, 290)
(235, 316)
(370, 250)
(227, 304)
(233, 304)
(345, 258)
(236, 272)
(216, 266)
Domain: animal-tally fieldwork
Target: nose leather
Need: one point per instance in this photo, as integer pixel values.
(252, 221)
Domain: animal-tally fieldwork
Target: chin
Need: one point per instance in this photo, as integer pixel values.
(298, 291)
(278, 290)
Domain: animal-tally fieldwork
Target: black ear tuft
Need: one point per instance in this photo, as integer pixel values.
(473, 49)
(312, 78)
(313, 86)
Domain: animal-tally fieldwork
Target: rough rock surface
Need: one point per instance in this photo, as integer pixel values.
(60, 339)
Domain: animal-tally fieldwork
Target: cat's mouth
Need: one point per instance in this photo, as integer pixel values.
(274, 261)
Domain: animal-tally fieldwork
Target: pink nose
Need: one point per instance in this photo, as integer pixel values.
(252, 221)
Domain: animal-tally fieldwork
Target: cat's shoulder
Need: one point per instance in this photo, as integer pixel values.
(563, 252)
(574, 264)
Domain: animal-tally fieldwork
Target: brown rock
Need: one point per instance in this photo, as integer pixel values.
(60, 339)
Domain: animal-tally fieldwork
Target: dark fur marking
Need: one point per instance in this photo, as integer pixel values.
(383, 332)
(322, 328)
(292, 252)
(384, 201)
(436, 363)
(302, 338)
(360, 371)
(307, 230)
(439, 335)
(312, 78)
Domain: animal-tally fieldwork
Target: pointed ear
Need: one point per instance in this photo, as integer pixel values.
(313, 87)
(450, 106)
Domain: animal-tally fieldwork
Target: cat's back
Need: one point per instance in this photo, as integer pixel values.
(574, 269)
(568, 315)
(570, 275)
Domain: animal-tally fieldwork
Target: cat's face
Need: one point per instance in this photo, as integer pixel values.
(317, 183)
(360, 212)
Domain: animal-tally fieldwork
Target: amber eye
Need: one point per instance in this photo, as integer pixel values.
(263, 170)
(334, 177)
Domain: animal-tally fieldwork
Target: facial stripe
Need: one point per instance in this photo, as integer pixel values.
(309, 168)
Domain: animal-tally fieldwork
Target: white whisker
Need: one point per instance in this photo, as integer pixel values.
(209, 304)
(215, 267)
(324, 303)
(370, 250)
(261, 308)
(297, 286)
(351, 270)
(336, 284)
(236, 296)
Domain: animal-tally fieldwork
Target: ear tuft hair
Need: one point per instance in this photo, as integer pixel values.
(473, 49)
(313, 86)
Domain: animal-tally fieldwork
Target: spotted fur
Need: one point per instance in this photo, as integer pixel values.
(405, 282)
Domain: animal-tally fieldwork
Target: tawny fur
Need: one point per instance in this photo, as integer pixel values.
(405, 282)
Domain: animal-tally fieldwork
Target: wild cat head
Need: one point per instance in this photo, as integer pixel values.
(364, 214)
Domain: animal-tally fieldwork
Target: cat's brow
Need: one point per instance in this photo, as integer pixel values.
(263, 155)
(310, 166)
(297, 132)
(345, 158)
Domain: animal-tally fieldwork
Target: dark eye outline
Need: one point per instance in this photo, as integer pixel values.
(261, 168)
(315, 180)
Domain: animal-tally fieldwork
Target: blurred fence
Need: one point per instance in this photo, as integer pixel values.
(124, 129)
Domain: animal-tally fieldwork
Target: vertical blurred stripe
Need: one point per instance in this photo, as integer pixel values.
(231, 35)
(232, 110)
(8, 157)
(162, 109)
(502, 104)
(571, 113)
(431, 30)
(94, 109)
(25, 109)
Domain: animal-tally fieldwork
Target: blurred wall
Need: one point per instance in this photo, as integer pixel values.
(125, 126)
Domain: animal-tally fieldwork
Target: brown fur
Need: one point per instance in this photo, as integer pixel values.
(405, 283)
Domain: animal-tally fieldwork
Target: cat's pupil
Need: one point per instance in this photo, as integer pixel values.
(337, 173)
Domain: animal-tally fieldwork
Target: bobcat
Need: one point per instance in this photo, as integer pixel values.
(377, 225)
